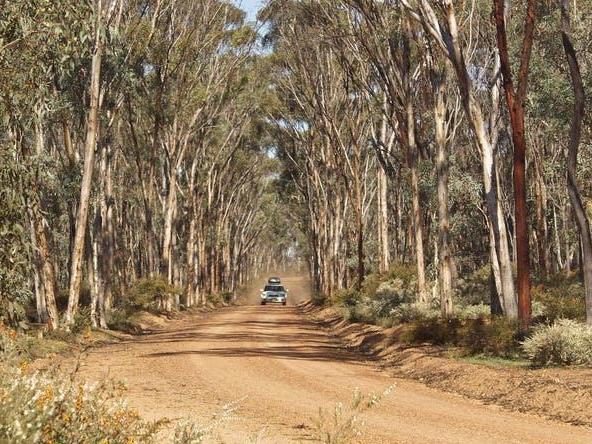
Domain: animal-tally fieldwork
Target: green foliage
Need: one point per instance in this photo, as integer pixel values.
(495, 337)
(414, 311)
(15, 259)
(434, 331)
(119, 320)
(406, 273)
(147, 292)
(477, 311)
(319, 299)
(348, 297)
(561, 298)
(227, 297)
(475, 289)
(82, 321)
(51, 407)
(566, 342)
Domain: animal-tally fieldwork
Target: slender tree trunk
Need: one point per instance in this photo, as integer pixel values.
(382, 208)
(40, 304)
(46, 270)
(44, 257)
(92, 130)
(572, 156)
(444, 250)
(541, 216)
(515, 102)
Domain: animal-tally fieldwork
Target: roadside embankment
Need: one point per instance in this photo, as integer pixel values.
(563, 394)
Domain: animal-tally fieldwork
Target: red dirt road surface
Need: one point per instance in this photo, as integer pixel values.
(280, 368)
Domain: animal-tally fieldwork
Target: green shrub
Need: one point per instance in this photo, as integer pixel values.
(347, 297)
(563, 300)
(404, 272)
(51, 407)
(414, 311)
(566, 342)
(146, 293)
(82, 322)
(119, 320)
(214, 299)
(371, 283)
(472, 311)
(475, 289)
(361, 313)
(227, 297)
(495, 337)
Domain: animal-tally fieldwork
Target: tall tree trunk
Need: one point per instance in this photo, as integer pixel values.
(572, 156)
(106, 237)
(444, 250)
(92, 129)
(44, 257)
(515, 102)
(382, 204)
(417, 217)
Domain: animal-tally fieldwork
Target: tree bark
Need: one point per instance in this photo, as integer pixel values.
(444, 250)
(92, 129)
(515, 103)
(572, 156)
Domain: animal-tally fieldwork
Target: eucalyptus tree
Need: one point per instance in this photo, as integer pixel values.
(328, 118)
(572, 154)
(440, 21)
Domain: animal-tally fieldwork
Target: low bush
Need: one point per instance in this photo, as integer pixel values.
(474, 289)
(48, 407)
(347, 297)
(407, 273)
(319, 299)
(494, 337)
(119, 320)
(472, 311)
(434, 331)
(359, 313)
(53, 407)
(227, 297)
(498, 336)
(148, 293)
(82, 321)
(566, 342)
(414, 311)
(563, 299)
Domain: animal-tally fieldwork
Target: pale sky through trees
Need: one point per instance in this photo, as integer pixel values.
(251, 6)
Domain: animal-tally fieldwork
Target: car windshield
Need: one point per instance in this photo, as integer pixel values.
(274, 288)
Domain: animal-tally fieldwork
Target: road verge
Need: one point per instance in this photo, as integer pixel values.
(557, 393)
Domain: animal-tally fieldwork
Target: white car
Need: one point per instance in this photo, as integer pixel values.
(274, 293)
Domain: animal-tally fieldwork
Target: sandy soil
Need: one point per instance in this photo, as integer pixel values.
(280, 368)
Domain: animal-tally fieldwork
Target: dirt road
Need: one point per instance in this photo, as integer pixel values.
(281, 368)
